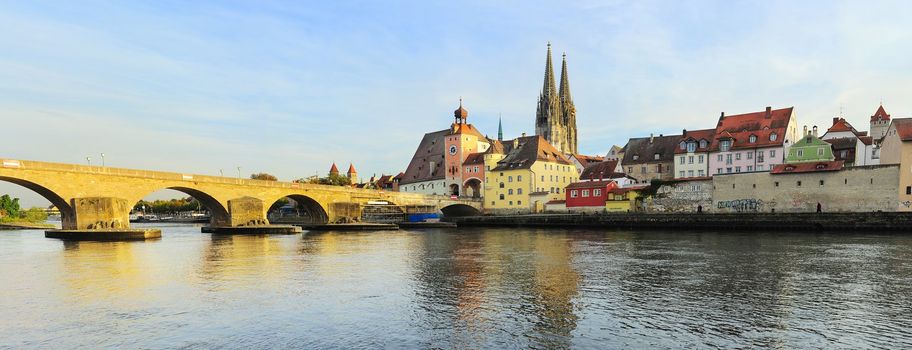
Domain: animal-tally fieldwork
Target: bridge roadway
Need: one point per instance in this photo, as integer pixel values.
(100, 198)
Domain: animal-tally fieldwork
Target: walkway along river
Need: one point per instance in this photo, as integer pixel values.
(466, 288)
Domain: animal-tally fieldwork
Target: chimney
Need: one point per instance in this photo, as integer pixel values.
(684, 133)
(805, 132)
(722, 116)
(523, 134)
(769, 112)
(835, 120)
(815, 130)
(651, 138)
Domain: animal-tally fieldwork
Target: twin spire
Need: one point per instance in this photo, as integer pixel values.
(555, 118)
(549, 86)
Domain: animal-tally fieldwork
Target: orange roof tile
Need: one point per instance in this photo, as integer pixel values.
(760, 124)
(807, 167)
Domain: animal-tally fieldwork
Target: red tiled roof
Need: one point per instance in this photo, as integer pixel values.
(603, 170)
(466, 129)
(807, 167)
(334, 169)
(696, 136)
(880, 114)
(840, 124)
(760, 124)
(351, 168)
(867, 140)
(474, 158)
(842, 142)
(586, 160)
(903, 128)
(590, 184)
(529, 150)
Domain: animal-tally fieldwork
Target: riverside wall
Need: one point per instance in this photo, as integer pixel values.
(870, 222)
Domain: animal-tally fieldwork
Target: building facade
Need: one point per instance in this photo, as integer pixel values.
(692, 154)
(555, 116)
(809, 149)
(588, 196)
(896, 148)
(531, 165)
(849, 145)
(752, 142)
(650, 158)
(462, 141)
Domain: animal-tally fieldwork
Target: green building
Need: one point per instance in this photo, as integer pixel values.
(809, 149)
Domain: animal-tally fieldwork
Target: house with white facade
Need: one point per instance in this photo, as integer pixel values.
(752, 142)
(692, 154)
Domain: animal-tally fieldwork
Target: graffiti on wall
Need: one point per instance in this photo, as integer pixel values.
(741, 205)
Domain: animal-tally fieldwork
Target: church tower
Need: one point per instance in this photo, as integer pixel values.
(555, 118)
(568, 111)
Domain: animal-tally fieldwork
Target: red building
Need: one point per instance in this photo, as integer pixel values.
(588, 195)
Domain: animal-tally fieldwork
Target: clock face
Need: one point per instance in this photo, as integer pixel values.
(453, 150)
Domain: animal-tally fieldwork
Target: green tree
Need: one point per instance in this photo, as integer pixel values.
(264, 176)
(336, 180)
(35, 215)
(10, 205)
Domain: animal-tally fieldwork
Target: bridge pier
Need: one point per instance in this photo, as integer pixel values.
(100, 219)
(247, 215)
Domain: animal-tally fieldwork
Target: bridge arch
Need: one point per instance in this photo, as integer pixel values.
(460, 210)
(67, 215)
(313, 212)
(219, 214)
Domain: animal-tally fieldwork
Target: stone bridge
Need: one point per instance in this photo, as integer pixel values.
(93, 197)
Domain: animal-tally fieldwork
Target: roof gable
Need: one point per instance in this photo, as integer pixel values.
(762, 124)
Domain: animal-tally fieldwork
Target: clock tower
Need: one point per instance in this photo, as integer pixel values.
(462, 141)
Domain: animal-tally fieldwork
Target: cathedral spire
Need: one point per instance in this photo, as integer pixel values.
(565, 83)
(500, 129)
(549, 87)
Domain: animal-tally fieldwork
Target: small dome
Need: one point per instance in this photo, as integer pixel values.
(461, 113)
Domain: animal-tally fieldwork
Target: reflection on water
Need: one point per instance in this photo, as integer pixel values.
(479, 288)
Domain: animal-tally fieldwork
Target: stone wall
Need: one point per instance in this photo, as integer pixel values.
(855, 189)
(684, 196)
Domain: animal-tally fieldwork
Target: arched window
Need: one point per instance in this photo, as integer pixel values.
(752, 138)
(510, 191)
(703, 144)
(682, 145)
(773, 137)
(501, 185)
(501, 196)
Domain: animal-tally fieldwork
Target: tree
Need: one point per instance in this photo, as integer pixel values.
(336, 180)
(9, 205)
(264, 176)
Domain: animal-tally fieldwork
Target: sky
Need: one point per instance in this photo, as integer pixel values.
(289, 87)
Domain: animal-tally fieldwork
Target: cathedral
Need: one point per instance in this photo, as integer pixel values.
(555, 118)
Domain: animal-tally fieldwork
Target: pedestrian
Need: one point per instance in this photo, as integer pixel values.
(819, 208)
(700, 208)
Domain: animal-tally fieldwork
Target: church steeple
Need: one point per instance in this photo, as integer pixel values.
(548, 88)
(548, 113)
(499, 129)
(568, 110)
(565, 82)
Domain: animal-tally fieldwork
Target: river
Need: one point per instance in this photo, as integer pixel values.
(471, 288)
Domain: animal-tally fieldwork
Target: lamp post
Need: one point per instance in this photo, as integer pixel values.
(239, 172)
(89, 160)
(222, 172)
(102, 160)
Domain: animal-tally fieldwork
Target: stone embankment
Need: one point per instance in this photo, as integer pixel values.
(873, 222)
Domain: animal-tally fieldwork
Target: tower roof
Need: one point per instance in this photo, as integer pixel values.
(351, 168)
(334, 169)
(549, 87)
(461, 113)
(880, 114)
(500, 129)
(565, 81)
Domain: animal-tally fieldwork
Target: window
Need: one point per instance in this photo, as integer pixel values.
(682, 145)
(700, 173)
(476, 169)
(518, 202)
(585, 193)
(700, 158)
(597, 192)
(681, 158)
(656, 156)
(719, 158)
(750, 168)
(760, 157)
(510, 191)
(690, 159)
(501, 185)
(760, 167)
(552, 189)
(821, 182)
(728, 170)
(543, 178)
(492, 202)
(690, 173)
(737, 169)
(799, 183)
(518, 178)
(511, 202)
(728, 158)
(750, 155)
(752, 138)
(630, 170)
(574, 193)
(509, 179)
(518, 191)
(908, 189)
(846, 181)
(691, 147)
(681, 173)
(643, 169)
(725, 145)
(659, 168)
(738, 156)
(755, 185)
(733, 185)
(703, 144)
(776, 184)
(820, 151)
(468, 169)
(718, 170)
(501, 196)
(772, 153)
(636, 156)
(773, 137)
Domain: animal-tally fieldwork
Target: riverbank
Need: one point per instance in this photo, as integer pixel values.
(875, 222)
(24, 226)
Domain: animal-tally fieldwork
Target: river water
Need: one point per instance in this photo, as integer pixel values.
(468, 288)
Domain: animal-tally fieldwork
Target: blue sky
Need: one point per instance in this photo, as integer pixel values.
(290, 87)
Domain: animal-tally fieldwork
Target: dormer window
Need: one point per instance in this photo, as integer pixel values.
(703, 144)
(656, 156)
(725, 145)
(821, 166)
(691, 147)
(773, 137)
(682, 145)
(789, 168)
(752, 138)
(635, 157)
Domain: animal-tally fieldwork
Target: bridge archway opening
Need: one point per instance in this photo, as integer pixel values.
(163, 205)
(472, 188)
(455, 210)
(66, 211)
(297, 209)
(454, 189)
(382, 212)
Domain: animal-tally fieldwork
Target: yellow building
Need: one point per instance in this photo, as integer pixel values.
(624, 200)
(517, 168)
